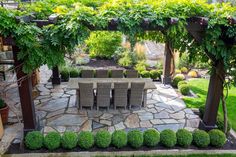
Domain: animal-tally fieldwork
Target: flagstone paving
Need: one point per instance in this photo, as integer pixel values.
(164, 110)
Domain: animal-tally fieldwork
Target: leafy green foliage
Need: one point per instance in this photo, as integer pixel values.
(34, 140)
(184, 89)
(119, 138)
(184, 137)
(85, 140)
(177, 79)
(135, 139)
(103, 44)
(151, 137)
(145, 74)
(201, 138)
(217, 138)
(168, 138)
(2, 103)
(52, 140)
(181, 83)
(103, 139)
(69, 140)
(154, 74)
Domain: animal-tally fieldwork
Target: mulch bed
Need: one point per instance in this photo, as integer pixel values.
(18, 149)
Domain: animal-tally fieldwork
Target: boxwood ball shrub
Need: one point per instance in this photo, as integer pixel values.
(193, 74)
(184, 70)
(184, 89)
(119, 138)
(217, 138)
(145, 74)
(177, 71)
(69, 140)
(135, 138)
(184, 137)
(151, 137)
(177, 79)
(154, 74)
(201, 138)
(181, 83)
(85, 140)
(52, 140)
(103, 139)
(168, 138)
(34, 140)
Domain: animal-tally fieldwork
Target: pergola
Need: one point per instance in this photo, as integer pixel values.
(196, 27)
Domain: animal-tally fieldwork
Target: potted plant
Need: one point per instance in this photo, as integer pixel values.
(1, 128)
(4, 110)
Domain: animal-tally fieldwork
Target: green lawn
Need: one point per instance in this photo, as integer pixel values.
(200, 87)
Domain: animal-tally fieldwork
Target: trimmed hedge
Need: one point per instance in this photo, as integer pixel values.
(168, 138)
(181, 83)
(103, 139)
(119, 139)
(85, 140)
(151, 137)
(69, 140)
(34, 140)
(184, 89)
(154, 74)
(135, 138)
(177, 79)
(201, 138)
(52, 140)
(184, 137)
(217, 138)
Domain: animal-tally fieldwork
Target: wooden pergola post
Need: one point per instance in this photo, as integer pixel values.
(168, 64)
(25, 93)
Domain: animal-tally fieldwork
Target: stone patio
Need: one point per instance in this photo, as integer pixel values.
(56, 110)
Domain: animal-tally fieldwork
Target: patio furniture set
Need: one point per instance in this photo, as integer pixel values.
(116, 91)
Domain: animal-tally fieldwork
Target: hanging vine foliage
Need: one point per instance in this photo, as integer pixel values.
(48, 45)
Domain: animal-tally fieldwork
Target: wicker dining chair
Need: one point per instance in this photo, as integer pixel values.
(120, 94)
(102, 73)
(117, 74)
(136, 94)
(87, 73)
(85, 95)
(131, 74)
(103, 95)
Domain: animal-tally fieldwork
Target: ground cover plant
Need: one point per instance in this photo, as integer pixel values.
(200, 87)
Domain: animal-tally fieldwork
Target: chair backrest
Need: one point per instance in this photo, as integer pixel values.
(102, 73)
(120, 93)
(86, 94)
(136, 95)
(117, 74)
(131, 74)
(103, 94)
(87, 73)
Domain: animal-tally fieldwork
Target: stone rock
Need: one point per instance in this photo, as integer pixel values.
(97, 125)
(43, 89)
(192, 116)
(117, 119)
(178, 115)
(152, 110)
(94, 113)
(55, 113)
(48, 129)
(169, 121)
(41, 114)
(156, 121)
(145, 116)
(68, 120)
(87, 126)
(132, 121)
(119, 126)
(57, 104)
(188, 111)
(193, 123)
(111, 129)
(106, 122)
(161, 115)
(145, 124)
(106, 116)
(173, 127)
(60, 129)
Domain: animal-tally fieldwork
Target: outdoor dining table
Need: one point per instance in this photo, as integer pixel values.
(149, 84)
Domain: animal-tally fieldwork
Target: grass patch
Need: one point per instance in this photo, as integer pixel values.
(200, 87)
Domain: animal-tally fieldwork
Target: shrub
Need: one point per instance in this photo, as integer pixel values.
(151, 137)
(177, 79)
(65, 73)
(2, 103)
(126, 60)
(141, 66)
(193, 74)
(184, 89)
(184, 137)
(168, 138)
(34, 140)
(177, 71)
(181, 83)
(220, 123)
(184, 70)
(154, 74)
(74, 72)
(103, 44)
(201, 138)
(85, 140)
(135, 138)
(119, 139)
(103, 139)
(145, 74)
(217, 138)
(69, 140)
(52, 140)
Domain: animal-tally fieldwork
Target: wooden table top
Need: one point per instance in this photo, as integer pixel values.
(74, 82)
